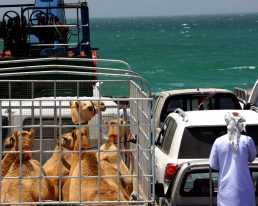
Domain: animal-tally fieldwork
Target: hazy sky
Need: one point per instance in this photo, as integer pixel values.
(122, 8)
(112, 8)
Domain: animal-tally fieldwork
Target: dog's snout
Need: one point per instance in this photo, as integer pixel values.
(9, 143)
(90, 108)
(64, 141)
(113, 137)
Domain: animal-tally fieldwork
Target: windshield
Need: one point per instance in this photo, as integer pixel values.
(197, 142)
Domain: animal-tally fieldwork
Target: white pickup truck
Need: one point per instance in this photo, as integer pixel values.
(193, 99)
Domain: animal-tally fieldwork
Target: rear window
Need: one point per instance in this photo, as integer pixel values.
(206, 101)
(197, 142)
(196, 183)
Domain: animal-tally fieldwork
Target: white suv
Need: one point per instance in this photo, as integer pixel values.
(189, 135)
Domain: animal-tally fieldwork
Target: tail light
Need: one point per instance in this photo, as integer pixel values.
(170, 171)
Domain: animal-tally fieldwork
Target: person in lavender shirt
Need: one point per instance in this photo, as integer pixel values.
(230, 155)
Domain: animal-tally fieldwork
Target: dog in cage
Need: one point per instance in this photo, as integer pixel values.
(116, 133)
(83, 111)
(24, 189)
(51, 167)
(93, 186)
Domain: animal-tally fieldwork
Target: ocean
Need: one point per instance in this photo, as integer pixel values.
(183, 51)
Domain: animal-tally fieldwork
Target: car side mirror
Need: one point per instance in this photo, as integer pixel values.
(159, 190)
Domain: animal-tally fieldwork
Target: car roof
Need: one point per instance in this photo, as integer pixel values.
(194, 91)
(216, 117)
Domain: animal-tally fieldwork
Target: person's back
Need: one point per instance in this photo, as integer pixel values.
(231, 154)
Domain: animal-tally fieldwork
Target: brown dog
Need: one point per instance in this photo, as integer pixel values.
(83, 111)
(116, 132)
(51, 167)
(89, 187)
(29, 167)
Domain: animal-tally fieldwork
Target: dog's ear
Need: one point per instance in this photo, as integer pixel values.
(74, 134)
(121, 121)
(63, 141)
(31, 133)
(84, 131)
(16, 133)
(9, 142)
(74, 104)
(102, 106)
(107, 123)
(74, 111)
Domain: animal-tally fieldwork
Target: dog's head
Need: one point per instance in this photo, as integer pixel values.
(13, 142)
(83, 111)
(73, 139)
(66, 140)
(116, 127)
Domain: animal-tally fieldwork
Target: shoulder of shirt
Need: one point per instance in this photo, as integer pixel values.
(221, 138)
(246, 136)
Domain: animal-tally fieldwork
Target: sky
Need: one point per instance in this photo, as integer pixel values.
(122, 8)
(134, 8)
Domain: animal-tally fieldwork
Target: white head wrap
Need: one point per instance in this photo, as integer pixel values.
(235, 125)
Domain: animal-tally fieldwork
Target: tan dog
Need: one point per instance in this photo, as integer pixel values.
(89, 167)
(8, 158)
(116, 127)
(30, 167)
(51, 167)
(83, 111)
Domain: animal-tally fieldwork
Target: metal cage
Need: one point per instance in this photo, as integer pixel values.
(45, 107)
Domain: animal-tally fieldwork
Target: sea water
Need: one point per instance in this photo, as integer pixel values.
(183, 51)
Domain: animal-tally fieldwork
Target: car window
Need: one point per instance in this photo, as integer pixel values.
(166, 134)
(169, 136)
(174, 104)
(197, 183)
(205, 101)
(51, 127)
(252, 131)
(162, 133)
(197, 141)
(170, 105)
(227, 103)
